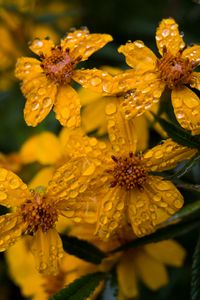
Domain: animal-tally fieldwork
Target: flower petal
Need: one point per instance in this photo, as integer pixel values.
(148, 91)
(186, 108)
(174, 256)
(195, 81)
(13, 192)
(42, 178)
(27, 68)
(193, 54)
(44, 148)
(47, 250)
(121, 131)
(40, 94)
(126, 274)
(110, 212)
(151, 272)
(67, 107)
(11, 228)
(167, 35)
(138, 56)
(156, 203)
(166, 156)
(42, 46)
(83, 44)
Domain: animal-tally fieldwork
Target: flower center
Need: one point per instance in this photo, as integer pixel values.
(59, 65)
(38, 213)
(128, 172)
(174, 70)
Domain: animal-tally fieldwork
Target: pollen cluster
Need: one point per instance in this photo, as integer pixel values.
(128, 172)
(37, 213)
(174, 70)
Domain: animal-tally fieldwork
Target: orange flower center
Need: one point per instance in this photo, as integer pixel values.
(37, 213)
(59, 65)
(128, 173)
(174, 70)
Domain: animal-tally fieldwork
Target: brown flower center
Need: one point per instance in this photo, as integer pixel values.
(174, 70)
(59, 65)
(37, 213)
(129, 172)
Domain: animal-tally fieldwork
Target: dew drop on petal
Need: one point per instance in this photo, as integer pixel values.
(95, 81)
(14, 183)
(139, 44)
(47, 101)
(3, 174)
(157, 197)
(165, 32)
(111, 108)
(35, 105)
(108, 205)
(3, 196)
(179, 115)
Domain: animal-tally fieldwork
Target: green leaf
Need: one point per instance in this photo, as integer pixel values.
(82, 249)
(81, 288)
(178, 134)
(195, 282)
(187, 186)
(165, 233)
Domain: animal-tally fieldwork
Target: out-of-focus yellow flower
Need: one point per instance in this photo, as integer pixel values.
(36, 213)
(173, 70)
(47, 81)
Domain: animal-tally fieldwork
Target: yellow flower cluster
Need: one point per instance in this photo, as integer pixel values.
(105, 191)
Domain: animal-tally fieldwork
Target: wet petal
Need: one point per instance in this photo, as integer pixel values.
(42, 178)
(13, 192)
(156, 203)
(167, 35)
(186, 108)
(151, 272)
(87, 96)
(138, 56)
(67, 107)
(40, 94)
(166, 156)
(96, 80)
(126, 274)
(83, 44)
(27, 68)
(47, 250)
(42, 46)
(44, 148)
(11, 228)
(110, 212)
(121, 131)
(195, 81)
(193, 54)
(174, 256)
(148, 91)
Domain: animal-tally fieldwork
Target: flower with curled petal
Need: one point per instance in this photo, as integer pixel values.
(46, 82)
(151, 75)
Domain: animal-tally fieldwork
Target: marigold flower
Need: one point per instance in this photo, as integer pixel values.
(46, 82)
(36, 213)
(174, 70)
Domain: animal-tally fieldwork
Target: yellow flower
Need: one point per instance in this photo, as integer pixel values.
(36, 212)
(11, 161)
(47, 81)
(174, 70)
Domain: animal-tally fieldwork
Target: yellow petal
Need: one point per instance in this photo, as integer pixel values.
(167, 35)
(27, 68)
(166, 156)
(186, 108)
(167, 252)
(87, 96)
(151, 272)
(121, 131)
(67, 107)
(40, 94)
(83, 44)
(11, 228)
(13, 192)
(126, 274)
(47, 250)
(42, 46)
(148, 90)
(193, 54)
(110, 212)
(42, 178)
(142, 132)
(126, 81)
(156, 203)
(138, 56)
(65, 136)
(44, 148)
(195, 81)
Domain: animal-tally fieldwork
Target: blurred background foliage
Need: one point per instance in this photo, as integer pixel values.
(22, 20)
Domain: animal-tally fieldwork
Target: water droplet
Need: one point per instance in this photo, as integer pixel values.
(35, 105)
(177, 102)
(14, 183)
(157, 197)
(163, 186)
(178, 204)
(95, 81)
(120, 205)
(139, 44)
(3, 174)
(47, 101)
(27, 65)
(179, 115)
(90, 170)
(104, 219)
(111, 108)
(3, 196)
(73, 194)
(113, 225)
(165, 32)
(38, 43)
(77, 219)
(108, 205)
